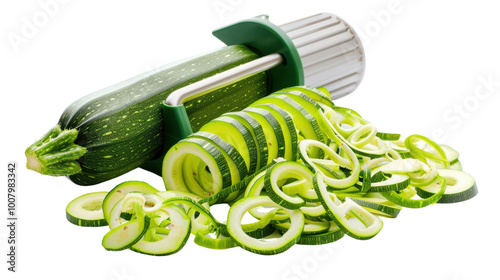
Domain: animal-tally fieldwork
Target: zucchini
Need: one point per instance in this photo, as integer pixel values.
(334, 233)
(460, 186)
(126, 235)
(322, 97)
(272, 131)
(279, 173)
(376, 204)
(117, 129)
(256, 245)
(334, 160)
(235, 133)
(310, 227)
(356, 221)
(219, 243)
(310, 105)
(234, 160)
(86, 210)
(258, 135)
(287, 126)
(179, 173)
(306, 123)
(120, 191)
(404, 198)
(170, 241)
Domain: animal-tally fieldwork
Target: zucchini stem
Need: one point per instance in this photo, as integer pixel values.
(55, 153)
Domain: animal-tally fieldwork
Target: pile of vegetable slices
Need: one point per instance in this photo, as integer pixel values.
(294, 168)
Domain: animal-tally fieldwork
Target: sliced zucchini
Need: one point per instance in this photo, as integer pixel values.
(399, 147)
(327, 120)
(317, 95)
(456, 166)
(334, 233)
(356, 221)
(179, 174)
(86, 210)
(406, 200)
(261, 246)
(310, 105)
(287, 126)
(424, 149)
(460, 186)
(310, 227)
(391, 182)
(362, 137)
(120, 191)
(306, 123)
(259, 229)
(451, 154)
(272, 131)
(378, 205)
(388, 136)
(233, 158)
(258, 135)
(352, 163)
(346, 121)
(219, 243)
(169, 241)
(235, 133)
(126, 235)
(277, 175)
(255, 186)
(314, 212)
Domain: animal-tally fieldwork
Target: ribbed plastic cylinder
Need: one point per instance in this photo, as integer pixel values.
(331, 52)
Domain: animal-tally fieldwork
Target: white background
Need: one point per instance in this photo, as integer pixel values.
(424, 60)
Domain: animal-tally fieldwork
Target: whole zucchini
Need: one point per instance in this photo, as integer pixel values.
(117, 129)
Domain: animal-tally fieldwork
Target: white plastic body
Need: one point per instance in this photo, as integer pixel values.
(331, 52)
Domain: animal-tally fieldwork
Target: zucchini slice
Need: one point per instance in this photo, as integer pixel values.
(287, 126)
(306, 123)
(335, 160)
(86, 210)
(376, 204)
(126, 235)
(404, 198)
(120, 191)
(460, 186)
(277, 176)
(310, 105)
(334, 233)
(235, 133)
(272, 131)
(310, 227)
(171, 241)
(180, 168)
(219, 243)
(233, 158)
(258, 135)
(329, 123)
(260, 246)
(313, 93)
(390, 182)
(356, 221)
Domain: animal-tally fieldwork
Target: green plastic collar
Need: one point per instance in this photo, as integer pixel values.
(264, 38)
